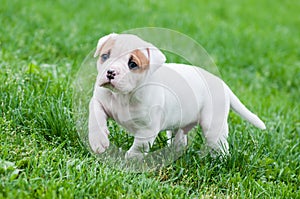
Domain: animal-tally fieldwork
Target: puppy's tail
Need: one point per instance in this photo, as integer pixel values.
(239, 108)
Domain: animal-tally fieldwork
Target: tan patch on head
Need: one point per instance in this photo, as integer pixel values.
(107, 46)
(141, 60)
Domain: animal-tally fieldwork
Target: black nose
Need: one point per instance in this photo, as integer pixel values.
(110, 74)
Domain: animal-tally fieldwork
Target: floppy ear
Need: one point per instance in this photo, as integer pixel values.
(156, 57)
(101, 41)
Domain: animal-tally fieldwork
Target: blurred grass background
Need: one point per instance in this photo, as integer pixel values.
(42, 44)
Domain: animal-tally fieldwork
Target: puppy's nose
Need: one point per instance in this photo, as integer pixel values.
(110, 74)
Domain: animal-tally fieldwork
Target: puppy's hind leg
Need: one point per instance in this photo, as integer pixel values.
(215, 131)
(218, 144)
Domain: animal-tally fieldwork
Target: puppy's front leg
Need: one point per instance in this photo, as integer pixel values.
(139, 148)
(98, 132)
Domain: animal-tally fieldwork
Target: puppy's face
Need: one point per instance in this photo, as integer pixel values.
(125, 61)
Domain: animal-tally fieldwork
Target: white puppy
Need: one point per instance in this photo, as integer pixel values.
(141, 92)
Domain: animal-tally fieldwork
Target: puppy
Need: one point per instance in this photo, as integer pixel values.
(141, 92)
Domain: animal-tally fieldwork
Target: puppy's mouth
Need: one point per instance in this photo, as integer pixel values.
(108, 85)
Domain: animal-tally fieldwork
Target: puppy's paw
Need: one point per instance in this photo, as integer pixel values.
(98, 141)
(219, 149)
(129, 155)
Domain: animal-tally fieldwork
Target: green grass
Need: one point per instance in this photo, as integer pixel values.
(42, 44)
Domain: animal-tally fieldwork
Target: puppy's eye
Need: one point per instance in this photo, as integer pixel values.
(132, 65)
(105, 56)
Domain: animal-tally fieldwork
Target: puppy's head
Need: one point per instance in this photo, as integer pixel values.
(125, 61)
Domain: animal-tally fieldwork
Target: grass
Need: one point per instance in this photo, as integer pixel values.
(42, 44)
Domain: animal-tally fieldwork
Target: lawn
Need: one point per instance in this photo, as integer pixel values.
(255, 44)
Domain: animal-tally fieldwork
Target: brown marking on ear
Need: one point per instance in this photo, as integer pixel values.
(141, 60)
(106, 47)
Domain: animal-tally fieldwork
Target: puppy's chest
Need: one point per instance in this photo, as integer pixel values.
(132, 116)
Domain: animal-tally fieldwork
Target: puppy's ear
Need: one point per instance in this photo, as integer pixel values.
(156, 57)
(101, 41)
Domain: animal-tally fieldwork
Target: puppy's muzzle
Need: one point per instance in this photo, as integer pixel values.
(110, 74)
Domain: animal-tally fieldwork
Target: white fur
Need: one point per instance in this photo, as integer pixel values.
(172, 97)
